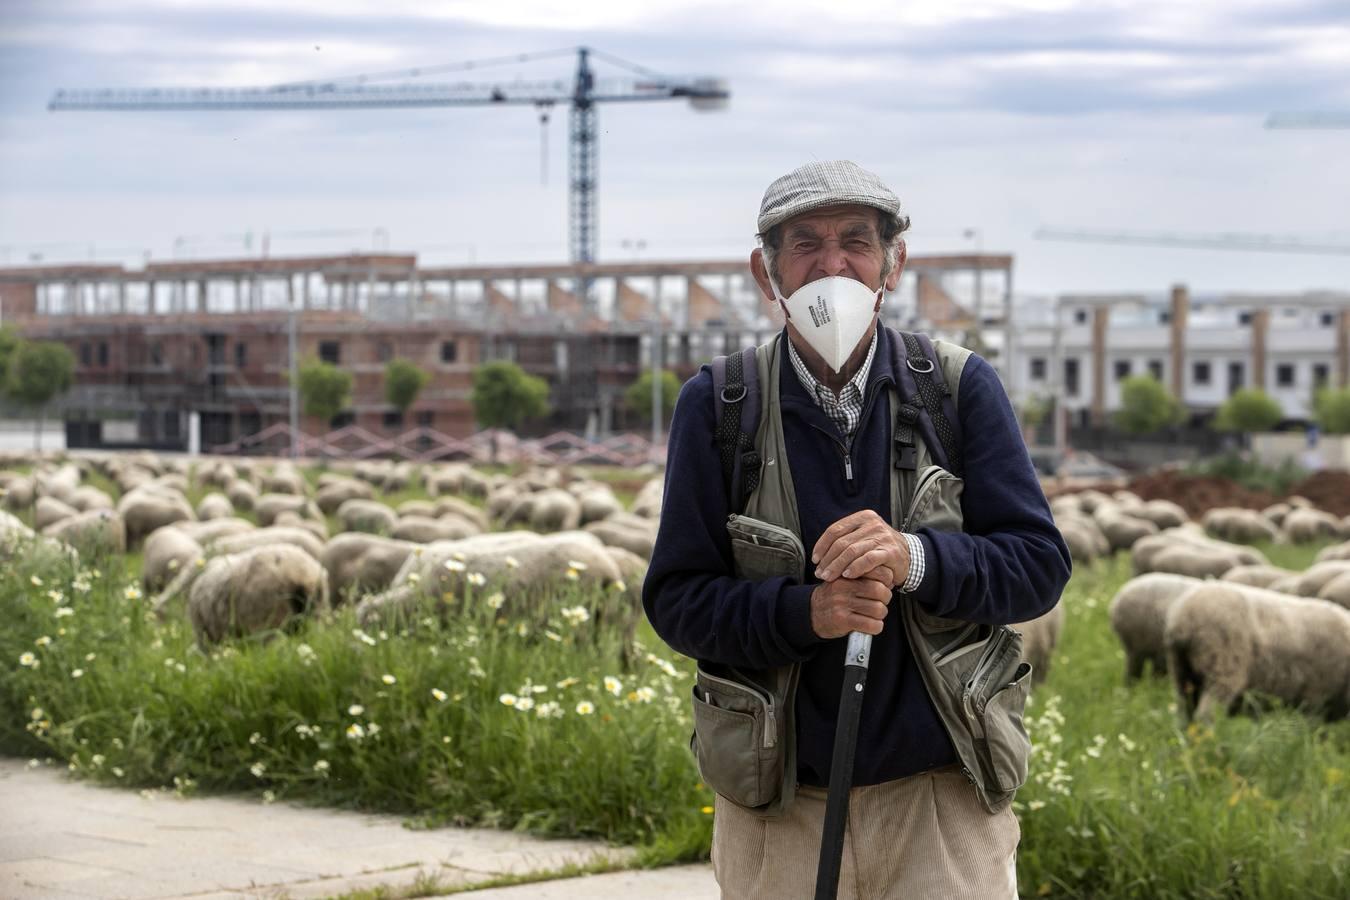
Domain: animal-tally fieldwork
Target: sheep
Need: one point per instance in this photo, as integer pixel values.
(19, 493)
(265, 537)
(288, 519)
(648, 501)
(1304, 526)
(363, 562)
(284, 479)
(1224, 642)
(424, 529)
(369, 516)
(149, 507)
(1218, 555)
(269, 506)
(1276, 513)
(214, 529)
(633, 533)
(264, 588)
(87, 497)
(1337, 591)
(1137, 613)
(1084, 539)
(215, 506)
(1256, 576)
(1163, 513)
(99, 531)
(1244, 526)
(48, 511)
(1317, 576)
(242, 494)
(598, 503)
(1335, 551)
(462, 508)
(1040, 636)
(1121, 528)
(337, 490)
(416, 508)
(168, 551)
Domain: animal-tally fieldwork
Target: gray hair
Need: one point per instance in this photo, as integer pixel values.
(890, 227)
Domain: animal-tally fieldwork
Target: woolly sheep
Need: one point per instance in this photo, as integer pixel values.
(214, 529)
(555, 510)
(1225, 641)
(269, 506)
(146, 508)
(1121, 528)
(1335, 551)
(1163, 513)
(1256, 576)
(1138, 612)
(363, 562)
(1276, 513)
(425, 529)
(1304, 526)
(597, 504)
(1317, 576)
(284, 479)
(19, 493)
(168, 551)
(1337, 591)
(48, 511)
(242, 494)
(1244, 526)
(1040, 636)
(338, 490)
(648, 501)
(369, 516)
(464, 509)
(265, 588)
(265, 537)
(87, 497)
(416, 508)
(1144, 553)
(288, 519)
(95, 532)
(215, 506)
(633, 533)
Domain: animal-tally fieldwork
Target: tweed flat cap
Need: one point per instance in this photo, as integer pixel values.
(821, 184)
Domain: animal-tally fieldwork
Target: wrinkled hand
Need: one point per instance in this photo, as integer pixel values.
(862, 545)
(849, 604)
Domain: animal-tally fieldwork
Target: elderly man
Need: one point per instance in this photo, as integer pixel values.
(831, 524)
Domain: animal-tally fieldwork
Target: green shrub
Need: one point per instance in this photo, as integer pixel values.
(1147, 406)
(1332, 408)
(1248, 410)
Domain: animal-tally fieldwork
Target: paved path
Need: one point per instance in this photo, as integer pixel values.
(62, 839)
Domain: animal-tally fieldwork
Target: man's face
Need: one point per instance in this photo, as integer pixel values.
(838, 240)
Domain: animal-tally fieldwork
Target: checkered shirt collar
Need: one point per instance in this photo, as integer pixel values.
(846, 409)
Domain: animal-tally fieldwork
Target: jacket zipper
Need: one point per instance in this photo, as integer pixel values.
(771, 719)
(929, 478)
(984, 670)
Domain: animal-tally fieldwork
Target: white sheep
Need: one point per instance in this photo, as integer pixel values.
(1138, 612)
(260, 589)
(1225, 642)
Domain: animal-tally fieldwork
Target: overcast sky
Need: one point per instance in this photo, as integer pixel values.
(997, 115)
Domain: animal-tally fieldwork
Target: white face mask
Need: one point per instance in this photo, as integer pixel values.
(832, 313)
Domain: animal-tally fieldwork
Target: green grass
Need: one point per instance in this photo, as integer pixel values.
(1122, 801)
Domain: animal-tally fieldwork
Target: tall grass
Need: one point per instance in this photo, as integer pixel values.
(454, 722)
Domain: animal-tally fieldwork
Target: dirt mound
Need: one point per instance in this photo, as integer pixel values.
(1327, 490)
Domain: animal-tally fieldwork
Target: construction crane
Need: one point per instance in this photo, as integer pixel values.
(583, 94)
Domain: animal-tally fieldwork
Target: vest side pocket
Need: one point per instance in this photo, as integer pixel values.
(736, 741)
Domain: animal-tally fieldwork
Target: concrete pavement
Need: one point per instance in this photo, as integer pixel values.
(62, 839)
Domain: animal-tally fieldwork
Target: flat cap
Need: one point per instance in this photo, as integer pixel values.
(821, 184)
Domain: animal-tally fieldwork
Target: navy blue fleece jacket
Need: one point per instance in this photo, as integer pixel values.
(1009, 565)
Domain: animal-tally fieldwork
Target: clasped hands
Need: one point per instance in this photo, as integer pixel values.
(860, 559)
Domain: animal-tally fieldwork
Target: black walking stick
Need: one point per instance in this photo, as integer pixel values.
(856, 658)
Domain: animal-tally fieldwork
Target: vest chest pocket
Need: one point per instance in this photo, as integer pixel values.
(762, 550)
(936, 504)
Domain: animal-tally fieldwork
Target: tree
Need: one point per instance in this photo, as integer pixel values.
(1248, 410)
(9, 342)
(1333, 410)
(1146, 406)
(325, 390)
(504, 395)
(403, 381)
(37, 371)
(638, 397)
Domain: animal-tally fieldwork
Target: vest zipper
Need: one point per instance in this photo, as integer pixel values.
(770, 718)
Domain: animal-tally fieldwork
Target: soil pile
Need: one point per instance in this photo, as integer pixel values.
(1328, 490)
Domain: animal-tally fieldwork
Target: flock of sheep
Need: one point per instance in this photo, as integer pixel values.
(241, 576)
(1213, 612)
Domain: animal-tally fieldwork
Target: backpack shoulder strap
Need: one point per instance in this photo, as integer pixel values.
(736, 411)
(928, 402)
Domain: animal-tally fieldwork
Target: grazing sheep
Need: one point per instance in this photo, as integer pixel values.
(284, 479)
(1317, 576)
(48, 511)
(1163, 513)
(19, 493)
(648, 501)
(1040, 636)
(424, 529)
(1243, 526)
(1220, 555)
(87, 497)
(359, 563)
(338, 490)
(242, 494)
(214, 529)
(598, 503)
(1276, 513)
(266, 537)
(1304, 526)
(502, 502)
(1335, 551)
(369, 516)
(416, 508)
(149, 507)
(632, 533)
(215, 506)
(464, 509)
(97, 532)
(555, 510)
(269, 506)
(168, 551)
(1225, 641)
(1088, 501)
(1257, 576)
(265, 588)
(1120, 527)
(315, 527)
(1337, 591)
(1138, 612)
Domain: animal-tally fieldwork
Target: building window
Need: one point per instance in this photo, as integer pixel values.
(330, 352)
(426, 418)
(1321, 375)
(157, 354)
(342, 419)
(1122, 369)
(1284, 375)
(86, 356)
(449, 351)
(1200, 373)
(393, 419)
(1038, 368)
(1236, 376)
(103, 354)
(1155, 368)
(240, 354)
(1165, 317)
(384, 351)
(1080, 316)
(1328, 319)
(1244, 318)
(1071, 377)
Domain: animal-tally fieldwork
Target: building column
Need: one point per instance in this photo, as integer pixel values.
(1101, 317)
(1260, 327)
(1343, 348)
(1181, 309)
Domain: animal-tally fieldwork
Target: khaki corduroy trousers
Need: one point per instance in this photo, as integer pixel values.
(925, 837)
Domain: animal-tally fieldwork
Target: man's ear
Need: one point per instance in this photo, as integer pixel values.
(761, 274)
(902, 254)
